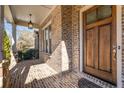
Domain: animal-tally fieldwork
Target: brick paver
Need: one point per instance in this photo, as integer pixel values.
(32, 74)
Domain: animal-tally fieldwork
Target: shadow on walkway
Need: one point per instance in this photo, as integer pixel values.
(20, 71)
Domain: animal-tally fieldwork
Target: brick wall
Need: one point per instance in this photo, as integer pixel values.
(61, 26)
(75, 37)
(53, 60)
(66, 37)
(65, 27)
(123, 46)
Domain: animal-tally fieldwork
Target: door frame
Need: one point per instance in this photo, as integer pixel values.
(119, 41)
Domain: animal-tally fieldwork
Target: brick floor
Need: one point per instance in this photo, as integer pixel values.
(32, 74)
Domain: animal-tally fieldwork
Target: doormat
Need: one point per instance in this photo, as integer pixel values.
(84, 83)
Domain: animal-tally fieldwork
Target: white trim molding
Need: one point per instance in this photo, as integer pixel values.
(119, 45)
(119, 41)
(46, 25)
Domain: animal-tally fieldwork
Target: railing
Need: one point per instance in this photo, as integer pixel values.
(5, 75)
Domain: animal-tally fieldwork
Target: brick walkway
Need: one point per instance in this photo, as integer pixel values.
(32, 74)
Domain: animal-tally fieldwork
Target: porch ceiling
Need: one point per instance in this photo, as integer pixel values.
(21, 13)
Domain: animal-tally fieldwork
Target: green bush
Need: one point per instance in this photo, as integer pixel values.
(6, 46)
(28, 54)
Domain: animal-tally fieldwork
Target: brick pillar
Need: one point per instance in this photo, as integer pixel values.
(66, 11)
(1, 38)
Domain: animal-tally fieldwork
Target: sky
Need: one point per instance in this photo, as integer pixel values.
(8, 29)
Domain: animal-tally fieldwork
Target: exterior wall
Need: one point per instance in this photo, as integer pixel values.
(123, 46)
(61, 26)
(54, 60)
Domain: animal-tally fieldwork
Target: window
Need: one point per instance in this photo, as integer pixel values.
(47, 39)
(104, 11)
(50, 40)
(98, 13)
(91, 17)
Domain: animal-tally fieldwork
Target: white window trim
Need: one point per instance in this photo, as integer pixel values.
(46, 25)
(119, 41)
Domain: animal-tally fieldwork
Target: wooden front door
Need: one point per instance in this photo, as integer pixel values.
(100, 42)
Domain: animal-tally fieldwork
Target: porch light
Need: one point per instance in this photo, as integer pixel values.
(30, 24)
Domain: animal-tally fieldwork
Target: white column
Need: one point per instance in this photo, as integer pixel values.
(40, 46)
(14, 37)
(36, 40)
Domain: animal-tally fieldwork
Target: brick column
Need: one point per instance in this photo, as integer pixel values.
(66, 11)
(1, 38)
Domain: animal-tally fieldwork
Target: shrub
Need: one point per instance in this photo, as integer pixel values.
(28, 54)
(6, 46)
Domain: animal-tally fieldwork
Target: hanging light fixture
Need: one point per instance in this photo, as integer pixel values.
(30, 24)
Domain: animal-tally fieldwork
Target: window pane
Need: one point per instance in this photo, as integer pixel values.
(104, 11)
(44, 40)
(91, 17)
(46, 46)
(50, 46)
(47, 34)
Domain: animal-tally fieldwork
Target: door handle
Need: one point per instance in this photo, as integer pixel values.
(114, 52)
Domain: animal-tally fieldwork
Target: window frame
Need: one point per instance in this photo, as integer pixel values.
(96, 8)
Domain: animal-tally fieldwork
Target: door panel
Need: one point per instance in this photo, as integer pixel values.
(104, 48)
(90, 48)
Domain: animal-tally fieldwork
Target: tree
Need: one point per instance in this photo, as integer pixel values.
(25, 40)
